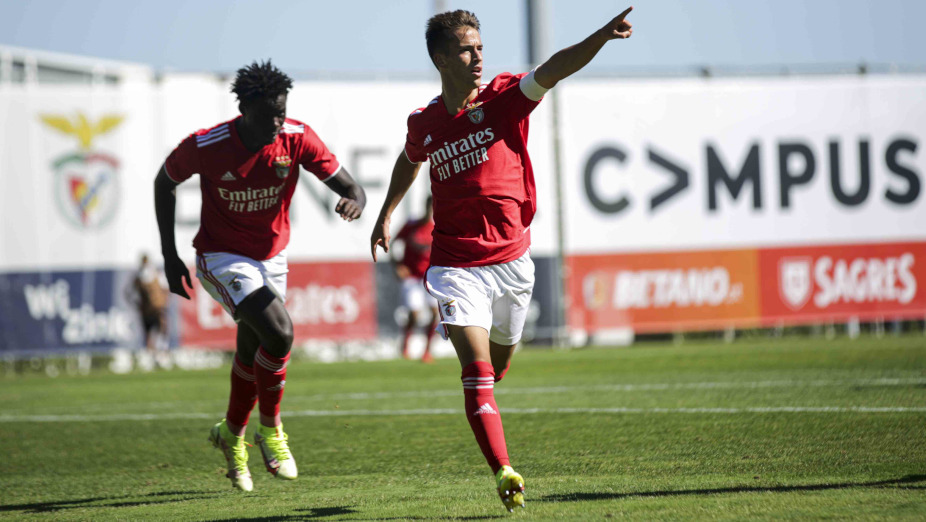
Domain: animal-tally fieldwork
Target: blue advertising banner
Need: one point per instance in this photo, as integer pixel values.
(67, 310)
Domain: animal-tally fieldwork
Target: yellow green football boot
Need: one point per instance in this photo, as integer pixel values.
(236, 455)
(510, 487)
(274, 447)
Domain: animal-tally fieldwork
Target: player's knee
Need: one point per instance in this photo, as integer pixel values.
(279, 341)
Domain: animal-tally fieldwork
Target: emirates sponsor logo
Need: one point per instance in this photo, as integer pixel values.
(252, 199)
(456, 156)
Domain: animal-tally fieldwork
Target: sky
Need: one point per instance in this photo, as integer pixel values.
(366, 36)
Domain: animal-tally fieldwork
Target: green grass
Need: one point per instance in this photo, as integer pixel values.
(698, 431)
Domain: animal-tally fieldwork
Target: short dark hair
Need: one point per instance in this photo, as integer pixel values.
(260, 80)
(441, 26)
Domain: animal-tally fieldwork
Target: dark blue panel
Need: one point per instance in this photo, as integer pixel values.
(87, 310)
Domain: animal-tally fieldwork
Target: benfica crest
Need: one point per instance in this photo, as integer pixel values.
(86, 180)
(475, 113)
(282, 165)
(794, 282)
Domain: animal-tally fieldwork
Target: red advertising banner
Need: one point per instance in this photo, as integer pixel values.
(329, 300)
(698, 290)
(663, 292)
(874, 281)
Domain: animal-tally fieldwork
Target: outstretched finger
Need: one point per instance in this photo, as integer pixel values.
(625, 13)
(373, 248)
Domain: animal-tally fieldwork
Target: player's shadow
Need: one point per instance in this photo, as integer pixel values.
(581, 497)
(310, 513)
(108, 502)
(314, 513)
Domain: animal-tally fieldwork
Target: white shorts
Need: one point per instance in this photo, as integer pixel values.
(229, 278)
(494, 297)
(414, 296)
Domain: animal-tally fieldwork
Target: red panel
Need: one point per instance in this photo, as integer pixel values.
(807, 284)
(331, 300)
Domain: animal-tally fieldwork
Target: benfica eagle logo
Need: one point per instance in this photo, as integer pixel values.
(475, 113)
(86, 180)
(282, 165)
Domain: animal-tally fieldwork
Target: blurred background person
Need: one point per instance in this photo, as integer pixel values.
(149, 294)
(416, 238)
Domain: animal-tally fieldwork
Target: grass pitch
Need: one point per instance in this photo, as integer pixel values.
(786, 428)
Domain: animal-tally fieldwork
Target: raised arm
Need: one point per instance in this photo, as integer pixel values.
(403, 174)
(353, 198)
(165, 204)
(571, 59)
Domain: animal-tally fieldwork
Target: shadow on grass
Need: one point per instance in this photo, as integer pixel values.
(105, 502)
(310, 513)
(485, 517)
(314, 513)
(581, 497)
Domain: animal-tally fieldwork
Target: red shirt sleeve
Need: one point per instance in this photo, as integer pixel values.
(315, 157)
(518, 106)
(414, 149)
(184, 161)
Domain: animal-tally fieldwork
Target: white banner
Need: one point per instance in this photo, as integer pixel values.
(76, 170)
(648, 165)
(699, 164)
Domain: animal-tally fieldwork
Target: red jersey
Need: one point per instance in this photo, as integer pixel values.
(246, 195)
(417, 237)
(481, 177)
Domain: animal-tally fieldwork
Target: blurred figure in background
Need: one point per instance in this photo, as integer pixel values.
(475, 137)
(149, 294)
(416, 236)
(248, 168)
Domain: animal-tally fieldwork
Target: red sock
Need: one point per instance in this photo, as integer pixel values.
(243, 393)
(482, 413)
(271, 378)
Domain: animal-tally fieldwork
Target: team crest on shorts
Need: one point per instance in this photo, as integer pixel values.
(282, 165)
(449, 308)
(235, 284)
(475, 113)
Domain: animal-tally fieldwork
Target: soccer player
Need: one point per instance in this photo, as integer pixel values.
(416, 235)
(475, 137)
(248, 169)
